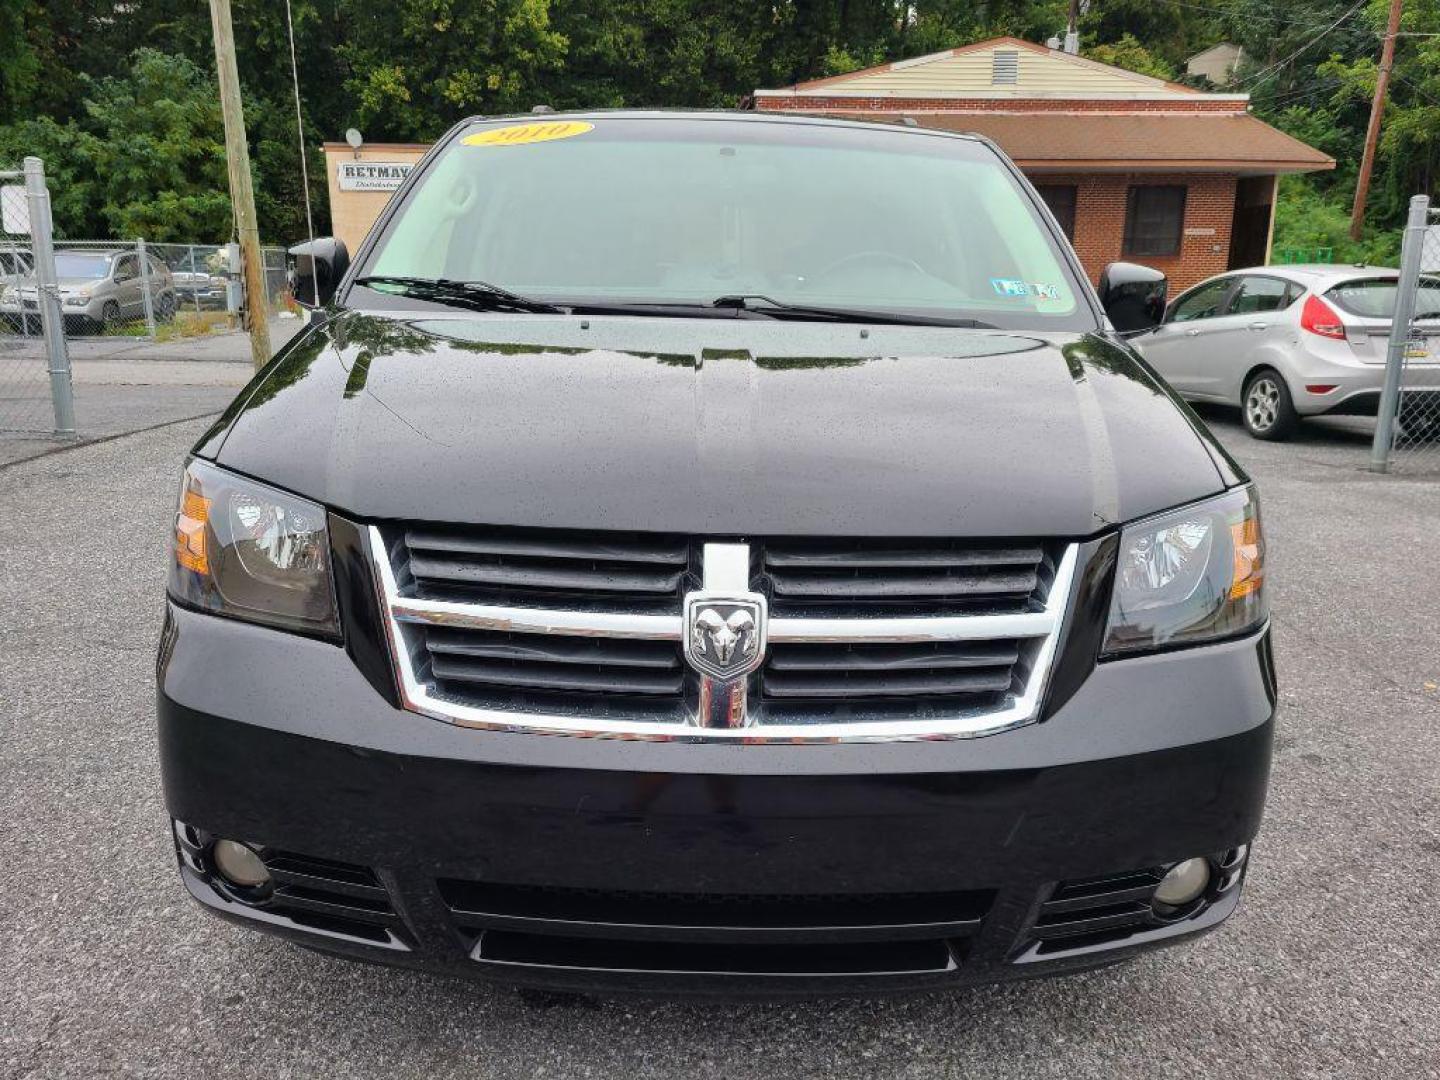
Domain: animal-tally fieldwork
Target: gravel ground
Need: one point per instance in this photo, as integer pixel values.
(1329, 970)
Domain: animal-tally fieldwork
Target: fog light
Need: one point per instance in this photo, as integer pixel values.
(1184, 884)
(239, 865)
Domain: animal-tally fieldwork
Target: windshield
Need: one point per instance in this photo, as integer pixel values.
(1374, 298)
(671, 210)
(70, 265)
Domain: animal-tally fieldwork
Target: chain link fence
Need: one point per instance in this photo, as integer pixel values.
(1407, 434)
(94, 295)
(132, 288)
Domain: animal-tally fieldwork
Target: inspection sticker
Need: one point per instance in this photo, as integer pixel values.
(1009, 286)
(1016, 287)
(525, 134)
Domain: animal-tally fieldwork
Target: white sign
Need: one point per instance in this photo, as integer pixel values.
(14, 210)
(372, 175)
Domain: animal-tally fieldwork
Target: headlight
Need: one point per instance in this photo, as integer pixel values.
(1190, 575)
(247, 550)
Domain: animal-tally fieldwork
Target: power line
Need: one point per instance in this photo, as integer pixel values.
(1250, 16)
(1267, 73)
(300, 134)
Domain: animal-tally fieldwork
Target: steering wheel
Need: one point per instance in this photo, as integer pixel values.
(902, 261)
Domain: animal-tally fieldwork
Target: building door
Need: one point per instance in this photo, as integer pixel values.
(1250, 227)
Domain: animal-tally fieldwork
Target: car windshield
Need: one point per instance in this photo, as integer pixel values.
(1374, 298)
(669, 210)
(68, 264)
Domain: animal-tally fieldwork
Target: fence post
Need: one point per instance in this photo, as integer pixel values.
(145, 287)
(194, 285)
(37, 196)
(1411, 249)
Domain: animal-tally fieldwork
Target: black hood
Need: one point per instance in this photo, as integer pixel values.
(732, 427)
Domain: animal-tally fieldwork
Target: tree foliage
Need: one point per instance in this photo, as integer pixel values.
(118, 97)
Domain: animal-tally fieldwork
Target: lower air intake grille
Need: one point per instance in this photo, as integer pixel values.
(338, 897)
(1096, 910)
(705, 933)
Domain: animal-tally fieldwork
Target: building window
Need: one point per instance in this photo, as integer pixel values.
(1060, 198)
(1154, 219)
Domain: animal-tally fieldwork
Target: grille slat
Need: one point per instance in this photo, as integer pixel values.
(597, 679)
(544, 567)
(815, 557)
(540, 547)
(842, 586)
(892, 657)
(846, 684)
(830, 572)
(552, 649)
(516, 575)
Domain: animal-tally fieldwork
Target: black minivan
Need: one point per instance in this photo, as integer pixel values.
(716, 553)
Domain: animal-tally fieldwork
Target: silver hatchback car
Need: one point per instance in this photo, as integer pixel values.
(1287, 342)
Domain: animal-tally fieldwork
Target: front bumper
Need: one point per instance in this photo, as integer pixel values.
(602, 865)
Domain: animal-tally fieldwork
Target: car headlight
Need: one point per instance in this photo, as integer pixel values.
(248, 550)
(1190, 575)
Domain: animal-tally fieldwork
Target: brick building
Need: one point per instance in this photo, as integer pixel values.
(1133, 167)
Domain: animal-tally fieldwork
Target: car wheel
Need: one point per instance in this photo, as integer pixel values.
(166, 309)
(1266, 407)
(110, 315)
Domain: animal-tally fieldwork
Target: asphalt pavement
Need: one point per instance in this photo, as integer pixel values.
(1330, 969)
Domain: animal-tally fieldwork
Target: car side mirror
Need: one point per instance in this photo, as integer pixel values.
(1133, 296)
(316, 268)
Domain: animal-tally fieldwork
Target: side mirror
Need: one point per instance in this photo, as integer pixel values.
(316, 268)
(1133, 296)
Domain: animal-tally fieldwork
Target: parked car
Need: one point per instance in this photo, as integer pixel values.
(15, 264)
(669, 561)
(97, 287)
(199, 288)
(1288, 342)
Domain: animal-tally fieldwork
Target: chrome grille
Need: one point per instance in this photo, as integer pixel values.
(583, 634)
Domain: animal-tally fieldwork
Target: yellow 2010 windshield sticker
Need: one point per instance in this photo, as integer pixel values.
(525, 134)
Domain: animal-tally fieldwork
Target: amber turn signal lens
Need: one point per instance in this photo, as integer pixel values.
(190, 524)
(1249, 568)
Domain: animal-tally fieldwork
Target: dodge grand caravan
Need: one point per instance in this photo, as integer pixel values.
(706, 553)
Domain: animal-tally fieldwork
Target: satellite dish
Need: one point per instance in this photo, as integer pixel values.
(353, 137)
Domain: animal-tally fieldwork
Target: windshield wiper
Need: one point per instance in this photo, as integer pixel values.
(476, 295)
(764, 305)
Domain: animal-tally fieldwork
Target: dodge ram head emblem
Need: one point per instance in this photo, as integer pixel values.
(724, 635)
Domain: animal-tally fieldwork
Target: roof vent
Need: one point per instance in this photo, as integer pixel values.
(1006, 67)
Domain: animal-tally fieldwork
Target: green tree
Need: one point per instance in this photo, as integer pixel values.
(1129, 54)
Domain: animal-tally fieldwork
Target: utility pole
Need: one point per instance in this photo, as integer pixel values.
(242, 195)
(1372, 133)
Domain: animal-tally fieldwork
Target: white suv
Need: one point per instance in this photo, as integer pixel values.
(1286, 342)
